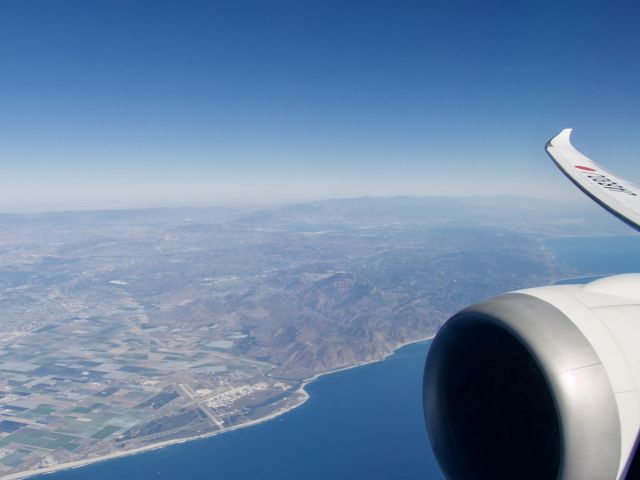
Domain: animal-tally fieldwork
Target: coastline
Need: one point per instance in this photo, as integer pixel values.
(301, 390)
(580, 279)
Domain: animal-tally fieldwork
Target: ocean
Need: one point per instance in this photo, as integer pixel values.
(598, 256)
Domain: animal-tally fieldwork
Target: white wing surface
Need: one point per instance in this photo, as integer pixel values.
(618, 196)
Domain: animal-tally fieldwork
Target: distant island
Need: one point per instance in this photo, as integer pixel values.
(133, 329)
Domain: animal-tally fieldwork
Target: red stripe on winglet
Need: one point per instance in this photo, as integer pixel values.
(589, 169)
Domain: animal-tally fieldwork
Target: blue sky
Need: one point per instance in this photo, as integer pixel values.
(121, 103)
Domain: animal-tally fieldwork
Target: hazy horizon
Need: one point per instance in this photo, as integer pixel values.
(45, 208)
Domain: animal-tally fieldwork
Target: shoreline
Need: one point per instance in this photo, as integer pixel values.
(577, 279)
(301, 390)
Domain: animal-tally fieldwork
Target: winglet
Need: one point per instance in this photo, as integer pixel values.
(563, 137)
(618, 196)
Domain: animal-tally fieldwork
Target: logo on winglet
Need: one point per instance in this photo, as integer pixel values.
(609, 184)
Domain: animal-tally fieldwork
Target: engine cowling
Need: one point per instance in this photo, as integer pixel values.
(538, 384)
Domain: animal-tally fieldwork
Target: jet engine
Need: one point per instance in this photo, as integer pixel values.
(538, 384)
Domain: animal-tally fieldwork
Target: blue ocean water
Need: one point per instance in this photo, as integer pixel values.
(598, 256)
(363, 423)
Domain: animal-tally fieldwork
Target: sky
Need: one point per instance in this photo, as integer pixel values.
(168, 103)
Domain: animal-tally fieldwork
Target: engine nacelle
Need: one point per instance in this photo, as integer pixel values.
(538, 384)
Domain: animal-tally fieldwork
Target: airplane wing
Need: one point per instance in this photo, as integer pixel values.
(620, 197)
